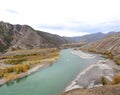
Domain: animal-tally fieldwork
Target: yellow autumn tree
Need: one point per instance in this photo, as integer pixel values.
(24, 68)
(9, 77)
(1, 73)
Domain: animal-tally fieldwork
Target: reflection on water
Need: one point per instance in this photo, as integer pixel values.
(21, 79)
(10, 83)
(17, 81)
(1, 85)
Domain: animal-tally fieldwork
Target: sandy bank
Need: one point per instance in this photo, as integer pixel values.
(91, 76)
(82, 54)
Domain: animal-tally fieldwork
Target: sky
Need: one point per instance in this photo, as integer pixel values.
(63, 17)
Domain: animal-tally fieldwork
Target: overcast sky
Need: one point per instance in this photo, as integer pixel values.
(63, 17)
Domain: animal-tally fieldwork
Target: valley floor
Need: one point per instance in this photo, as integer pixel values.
(35, 60)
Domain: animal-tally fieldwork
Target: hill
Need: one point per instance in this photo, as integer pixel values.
(109, 45)
(89, 38)
(25, 37)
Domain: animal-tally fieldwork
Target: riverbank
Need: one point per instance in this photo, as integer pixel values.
(21, 75)
(21, 63)
(91, 76)
(103, 90)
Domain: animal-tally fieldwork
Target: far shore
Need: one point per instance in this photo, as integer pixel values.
(82, 54)
(90, 77)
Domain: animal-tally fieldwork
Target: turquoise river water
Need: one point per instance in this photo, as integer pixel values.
(51, 80)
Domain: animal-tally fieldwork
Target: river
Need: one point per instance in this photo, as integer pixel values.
(51, 80)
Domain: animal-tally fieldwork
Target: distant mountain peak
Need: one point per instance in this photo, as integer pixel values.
(90, 37)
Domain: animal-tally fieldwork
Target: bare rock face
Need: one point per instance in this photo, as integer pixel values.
(25, 37)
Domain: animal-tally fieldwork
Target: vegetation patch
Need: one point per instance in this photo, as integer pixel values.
(103, 80)
(117, 60)
(16, 61)
(13, 70)
(14, 65)
(116, 80)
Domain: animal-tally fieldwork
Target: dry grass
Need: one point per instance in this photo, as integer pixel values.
(116, 80)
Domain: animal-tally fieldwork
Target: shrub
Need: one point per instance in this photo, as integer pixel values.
(103, 80)
(109, 54)
(117, 61)
(18, 69)
(21, 68)
(24, 68)
(1, 73)
(10, 77)
(15, 62)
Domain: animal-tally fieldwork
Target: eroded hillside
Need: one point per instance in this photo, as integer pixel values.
(25, 37)
(109, 45)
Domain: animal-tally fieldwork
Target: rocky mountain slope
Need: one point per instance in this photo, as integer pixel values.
(109, 45)
(25, 37)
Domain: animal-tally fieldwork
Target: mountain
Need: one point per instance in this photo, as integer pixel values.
(89, 37)
(109, 45)
(25, 37)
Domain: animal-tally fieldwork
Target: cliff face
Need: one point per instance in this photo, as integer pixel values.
(25, 37)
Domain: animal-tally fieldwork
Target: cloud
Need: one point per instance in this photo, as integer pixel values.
(51, 27)
(75, 28)
(111, 25)
(64, 32)
(12, 11)
(72, 16)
